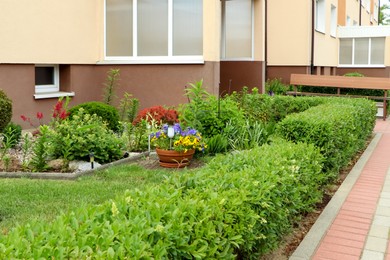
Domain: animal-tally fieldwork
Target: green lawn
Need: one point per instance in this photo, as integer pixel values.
(22, 200)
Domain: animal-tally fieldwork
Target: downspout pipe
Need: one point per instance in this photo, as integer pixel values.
(312, 36)
(360, 12)
(379, 10)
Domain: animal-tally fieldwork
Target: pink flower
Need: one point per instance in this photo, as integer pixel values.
(24, 118)
(39, 115)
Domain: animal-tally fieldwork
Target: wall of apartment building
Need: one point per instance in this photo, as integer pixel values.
(71, 33)
(50, 31)
(236, 74)
(289, 33)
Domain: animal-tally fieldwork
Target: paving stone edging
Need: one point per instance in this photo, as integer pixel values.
(309, 244)
(69, 175)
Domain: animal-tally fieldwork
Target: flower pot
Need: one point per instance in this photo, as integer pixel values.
(174, 159)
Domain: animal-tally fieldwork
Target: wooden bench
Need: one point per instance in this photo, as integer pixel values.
(339, 82)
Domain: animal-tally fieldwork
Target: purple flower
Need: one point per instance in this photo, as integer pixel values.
(191, 131)
(158, 134)
(177, 128)
(165, 128)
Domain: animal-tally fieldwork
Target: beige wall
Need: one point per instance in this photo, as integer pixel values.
(352, 10)
(289, 32)
(326, 46)
(212, 30)
(259, 30)
(49, 31)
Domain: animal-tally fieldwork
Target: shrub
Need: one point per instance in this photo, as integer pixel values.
(258, 107)
(110, 85)
(208, 113)
(157, 114)
(108, 113)
(240, 205)
(5, 110)
(340, 128)
(75, 138)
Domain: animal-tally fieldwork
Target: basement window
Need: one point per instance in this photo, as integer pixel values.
(47, 79)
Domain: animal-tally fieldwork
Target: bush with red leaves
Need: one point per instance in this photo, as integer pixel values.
(158, 113)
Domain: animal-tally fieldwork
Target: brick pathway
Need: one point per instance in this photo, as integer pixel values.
(356, 223)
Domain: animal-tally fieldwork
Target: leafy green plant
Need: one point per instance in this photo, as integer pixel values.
(26, 146)
(40, 150)
(128, 108)
(217, 144)
(5, 110)
(275, 87)
(108, 113)
(13, 132)
(207, 113)
(110, 85)
(135, 137)
(81, 134)
(245, 136)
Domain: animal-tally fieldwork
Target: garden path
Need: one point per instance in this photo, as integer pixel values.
(356, 222)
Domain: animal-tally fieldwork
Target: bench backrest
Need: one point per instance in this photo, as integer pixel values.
(340, 81)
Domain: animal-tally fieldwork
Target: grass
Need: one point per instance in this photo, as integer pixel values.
(23, 200)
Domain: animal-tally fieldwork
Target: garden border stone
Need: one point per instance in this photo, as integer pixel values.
(70, 175)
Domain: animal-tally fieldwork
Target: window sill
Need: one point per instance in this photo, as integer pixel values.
(360, 66)
(53, 95)
(152, 60)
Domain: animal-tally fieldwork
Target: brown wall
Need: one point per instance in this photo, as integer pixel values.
(240, 73)
(368, 72)
(151, 84)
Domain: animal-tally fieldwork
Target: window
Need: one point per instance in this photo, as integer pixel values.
(143, 29)
(362, 51)
(46, 79)
(320, 16)
(333, 21)
(237, 29)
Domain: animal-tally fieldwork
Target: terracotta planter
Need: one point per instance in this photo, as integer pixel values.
(174, 159)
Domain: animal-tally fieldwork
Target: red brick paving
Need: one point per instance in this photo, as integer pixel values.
(345, 239)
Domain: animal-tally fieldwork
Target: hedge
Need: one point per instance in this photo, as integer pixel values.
(238, 206)
(339, 128)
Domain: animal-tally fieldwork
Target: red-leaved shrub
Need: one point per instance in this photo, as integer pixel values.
(158, 113)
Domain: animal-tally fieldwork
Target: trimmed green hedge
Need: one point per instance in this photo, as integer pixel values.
(5, 110)
(272, 109)
(240, 204)
(339, 128)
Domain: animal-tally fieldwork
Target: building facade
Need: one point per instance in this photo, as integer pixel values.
(53, 48)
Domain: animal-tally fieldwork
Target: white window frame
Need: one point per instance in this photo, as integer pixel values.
(333, 20)
(135, 59)
(223, 34)
(52, 88)
(369, 65)
(320, 16)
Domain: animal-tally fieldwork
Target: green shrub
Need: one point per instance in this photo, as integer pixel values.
(108, 113)
(339, 127)
(207, 113)
(258, 107)
(5, 110)
(76, 137)
(240, 205)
